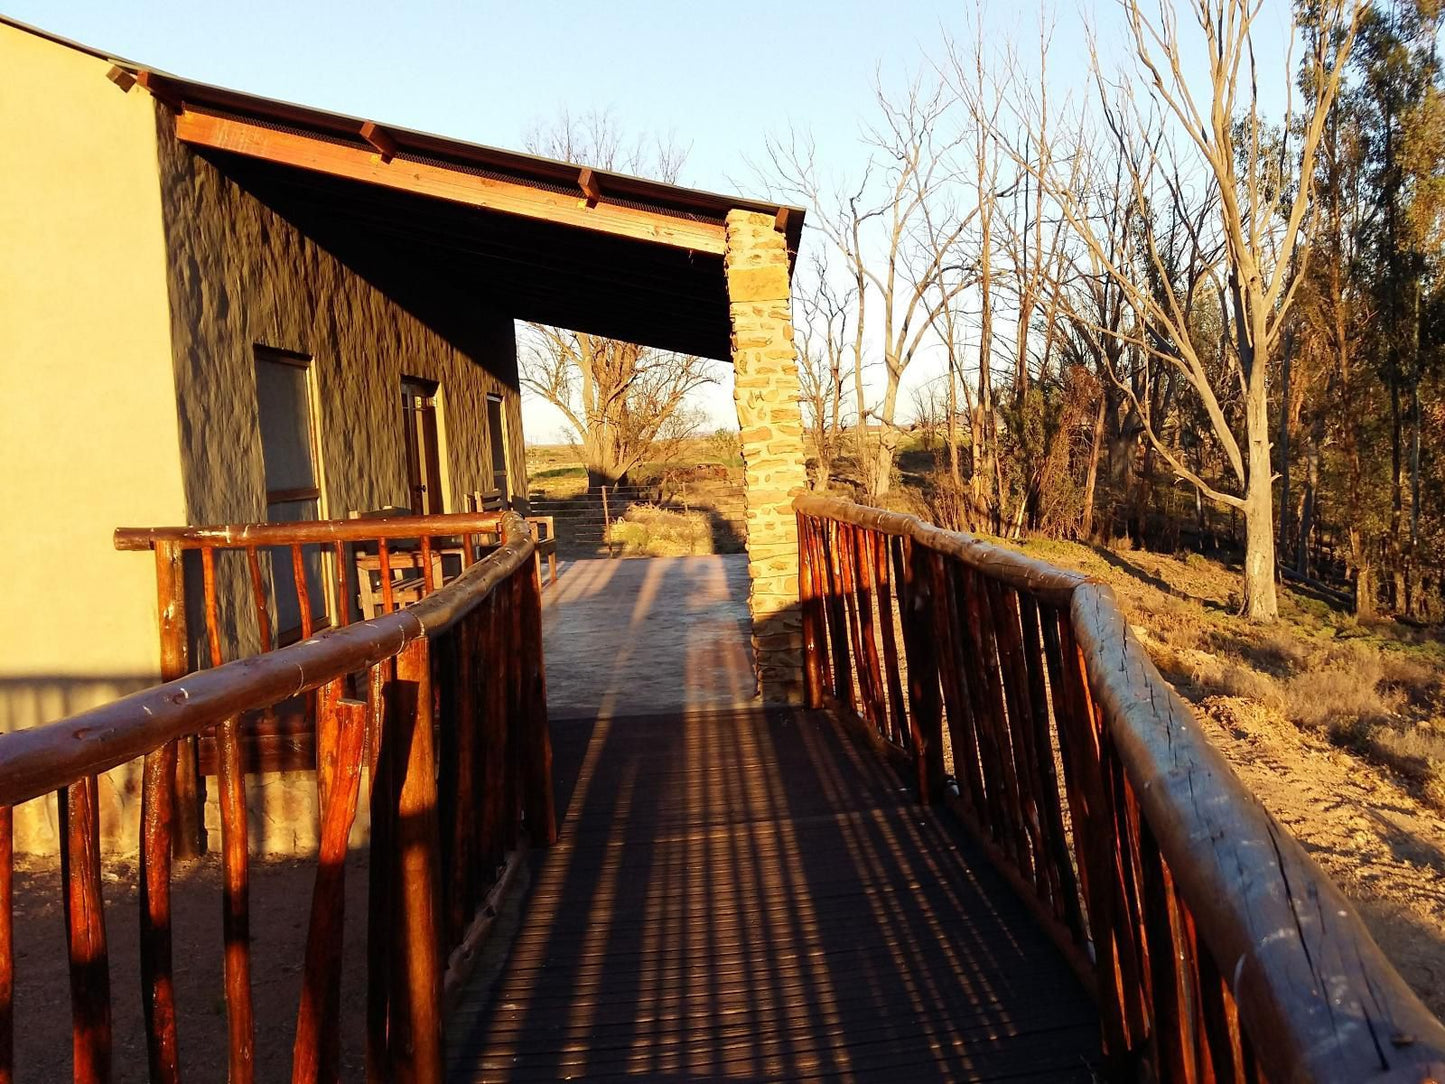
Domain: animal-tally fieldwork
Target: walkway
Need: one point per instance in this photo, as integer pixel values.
(740, 893)
(647, 636)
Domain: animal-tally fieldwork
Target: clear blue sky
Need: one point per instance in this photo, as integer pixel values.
(718, 77)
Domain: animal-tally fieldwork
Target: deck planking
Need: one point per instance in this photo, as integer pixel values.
(749, 895)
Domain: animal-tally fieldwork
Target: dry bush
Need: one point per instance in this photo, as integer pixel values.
(1423, 685)
(647, 530)
(1278, 652)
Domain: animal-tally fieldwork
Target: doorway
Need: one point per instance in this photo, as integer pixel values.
(423, 452)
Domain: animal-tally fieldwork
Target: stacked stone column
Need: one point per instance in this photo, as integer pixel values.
(766, 389)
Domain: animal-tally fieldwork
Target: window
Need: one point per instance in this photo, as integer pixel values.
(497, 431)
(423, 454)
(293, 492)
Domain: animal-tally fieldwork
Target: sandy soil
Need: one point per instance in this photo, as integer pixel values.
(1384, 848)
(280, 910)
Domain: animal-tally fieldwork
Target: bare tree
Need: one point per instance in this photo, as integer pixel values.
(619, 397)
(878, 229)
(1261, 195)
(625, 401)
(823, 367)
(930, 410)
(982, 91)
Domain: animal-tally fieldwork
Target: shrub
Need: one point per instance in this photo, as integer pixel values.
(647, 530)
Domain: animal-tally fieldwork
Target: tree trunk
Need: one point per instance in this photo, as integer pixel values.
(1307, 506)
(1364, 575)
(1284, 494)
(1260, 600)
(953, 470)
(1091, 479)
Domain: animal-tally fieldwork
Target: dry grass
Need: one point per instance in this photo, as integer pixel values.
(650, 531)
(1377, 690)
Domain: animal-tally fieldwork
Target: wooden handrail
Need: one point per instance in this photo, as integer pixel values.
(397, 699)
(1216, 947)
(1008, 566)
(402, 545)
(42, 759)
(308, 532)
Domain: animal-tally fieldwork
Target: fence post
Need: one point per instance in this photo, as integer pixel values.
(921, 650)
(606, 522)
(415, 1039)
(190, 835)
(810, 603)
(538, 802)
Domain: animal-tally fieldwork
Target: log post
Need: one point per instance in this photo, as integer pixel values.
(157, 982)
(190, 834)
(539, 804)
(85, 931)
(925, 718)
(415, 1039)
(809, 602)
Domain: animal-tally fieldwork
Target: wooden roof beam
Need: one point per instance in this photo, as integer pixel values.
(440, 182)
(160, 90)
(379, 138)
(590, 188)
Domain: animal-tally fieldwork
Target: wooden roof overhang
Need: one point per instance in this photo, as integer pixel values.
(542, 240)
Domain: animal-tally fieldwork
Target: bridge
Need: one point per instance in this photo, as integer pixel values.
(991, 844)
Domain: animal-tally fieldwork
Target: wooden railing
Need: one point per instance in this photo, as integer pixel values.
(1215, 947)
(408, 554)
(441, 705)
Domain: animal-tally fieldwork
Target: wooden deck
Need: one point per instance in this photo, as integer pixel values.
(750, 895)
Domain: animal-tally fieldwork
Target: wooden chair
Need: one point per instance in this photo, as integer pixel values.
(544, 534)
(408, 579)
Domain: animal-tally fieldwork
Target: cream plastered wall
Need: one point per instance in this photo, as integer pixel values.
(241, 274)
(87, 412)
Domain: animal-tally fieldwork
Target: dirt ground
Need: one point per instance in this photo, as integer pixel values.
(1380, 844)
(1287, 705)
(280, 911)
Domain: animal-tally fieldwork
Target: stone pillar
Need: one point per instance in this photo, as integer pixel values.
(766, 389)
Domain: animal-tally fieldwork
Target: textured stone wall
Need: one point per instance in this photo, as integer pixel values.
(765, 386)
(244, 274)
(246, 267)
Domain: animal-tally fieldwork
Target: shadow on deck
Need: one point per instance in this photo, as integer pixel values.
(750, 895)
(746, 893)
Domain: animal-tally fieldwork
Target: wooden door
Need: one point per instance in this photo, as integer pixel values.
(423, 454)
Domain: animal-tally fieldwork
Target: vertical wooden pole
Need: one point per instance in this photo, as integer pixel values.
(316, 1055)
(458, 739)
(957, 673)
(343, 590)
(236, 916)
(538, 802)
(920, 649)
(808, 603)
(303, 590)
(606, 523)
(384, 560)
(85, 931)
(416, 1031)
(871, 671)
(381, 870)
(157, 982)
(235, 871)
(190, 834)
(830, 577)
(880, 544)
(1050, 791)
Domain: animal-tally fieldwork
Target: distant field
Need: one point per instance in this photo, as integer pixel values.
(691, 503)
